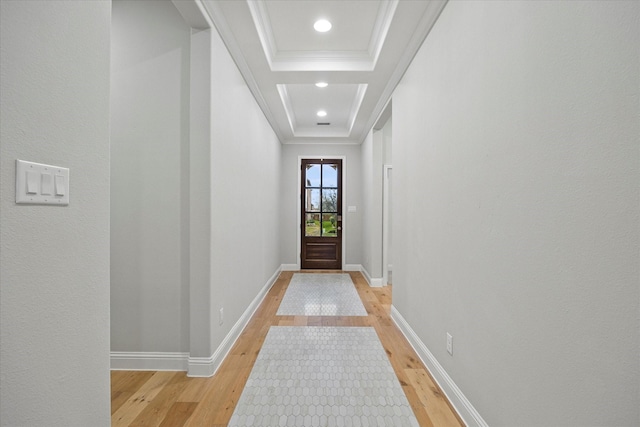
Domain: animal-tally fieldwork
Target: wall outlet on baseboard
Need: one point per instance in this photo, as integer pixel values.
(449, 344)
(221, 318)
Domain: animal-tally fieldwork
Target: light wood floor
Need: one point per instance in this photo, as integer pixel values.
(171, 399)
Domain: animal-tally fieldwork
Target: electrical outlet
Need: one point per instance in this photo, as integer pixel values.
(449, 343)
(221, 315)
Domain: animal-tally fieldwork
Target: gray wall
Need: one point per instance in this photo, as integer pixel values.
(290, 193)
(372, 173)
(54, 261)
(245, 197)
(387, 135)
(516, 170)
(149, 177)
(195, 186)
(375, 152)
(199, 257)
(387, 132)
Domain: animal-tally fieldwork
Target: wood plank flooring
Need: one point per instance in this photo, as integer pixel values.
(171, 399)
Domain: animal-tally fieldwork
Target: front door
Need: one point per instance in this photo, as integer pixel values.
(321, 210)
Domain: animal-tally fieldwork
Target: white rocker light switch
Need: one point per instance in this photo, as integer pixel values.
(38, 184)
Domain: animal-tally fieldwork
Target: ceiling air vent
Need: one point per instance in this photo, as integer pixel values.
(324, 124)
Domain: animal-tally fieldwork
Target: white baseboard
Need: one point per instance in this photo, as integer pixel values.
(195, 366)
(458, 400)
(374, 282)
(207, 366)
(352, 267)
(289, 267)
(148, 361)
(202, 366)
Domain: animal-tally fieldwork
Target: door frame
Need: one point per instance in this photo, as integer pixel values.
(345, 221)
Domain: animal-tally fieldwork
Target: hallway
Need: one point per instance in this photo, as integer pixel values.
(513, 137)
(172, 399)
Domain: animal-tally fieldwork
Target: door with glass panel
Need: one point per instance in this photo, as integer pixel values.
(321, 210)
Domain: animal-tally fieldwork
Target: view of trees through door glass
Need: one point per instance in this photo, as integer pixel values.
(321, 204)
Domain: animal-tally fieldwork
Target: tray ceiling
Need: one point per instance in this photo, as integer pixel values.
(362, 58)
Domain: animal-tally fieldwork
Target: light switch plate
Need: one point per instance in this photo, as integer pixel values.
(35, 184)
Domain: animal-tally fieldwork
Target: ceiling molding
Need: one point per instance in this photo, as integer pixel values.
(288, 107)
(262, 22)
(193, 13)
(216, 15)
(327, 133)
(355, 107)
(323, 141)
(384, 117)
(383, 21)
(332, 132)
(366, 64)
(429, 18)
(322, 60)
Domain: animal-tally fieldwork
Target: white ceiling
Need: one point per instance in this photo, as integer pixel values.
(362, 58)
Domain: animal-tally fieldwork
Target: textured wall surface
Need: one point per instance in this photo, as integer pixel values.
(54, 261)
(516, 227)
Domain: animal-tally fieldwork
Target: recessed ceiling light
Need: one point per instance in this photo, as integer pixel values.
(322, 25)
(322, 84)
(322, 113)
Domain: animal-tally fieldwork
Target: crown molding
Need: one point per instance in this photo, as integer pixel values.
(365, 60)
(288, 108)
(355, 107)
(216, 15)
(429, 18)
(335, 132)
(385, 16)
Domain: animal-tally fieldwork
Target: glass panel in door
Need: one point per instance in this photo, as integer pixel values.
(321, 207)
